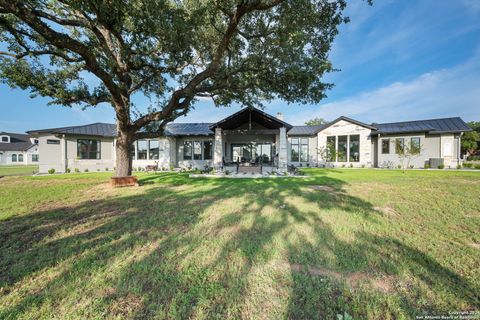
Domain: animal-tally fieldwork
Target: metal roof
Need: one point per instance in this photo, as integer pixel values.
(18, 142)
(188, 129)
(306, 130)
(95, 129)
(445, 125)
(251, 114)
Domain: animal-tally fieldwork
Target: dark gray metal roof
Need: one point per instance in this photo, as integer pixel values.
(446, 125)
(18, 142)
(253, 114)
(95, 129)
(306, 130)
(188, 129)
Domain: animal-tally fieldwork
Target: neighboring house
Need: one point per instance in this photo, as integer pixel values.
(18, 149)
(254, 138)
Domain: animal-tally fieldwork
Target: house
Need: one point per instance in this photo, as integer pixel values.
(18, 149)
(252, 138)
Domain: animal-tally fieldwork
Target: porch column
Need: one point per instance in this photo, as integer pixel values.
(282, 150)
(218, 149)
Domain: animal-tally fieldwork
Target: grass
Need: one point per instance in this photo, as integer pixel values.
(18, 170)
(373, 244)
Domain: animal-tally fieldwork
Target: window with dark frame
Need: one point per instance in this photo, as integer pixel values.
(197, 150)
(5, 139)
(304, 150)
(20, 157)
(132, 151)
(187, 150)
(399, 145)
(415, 145)
(385, 146)
(14, 158)
(142, 149)
(34, 157)
(88, 149)
(153, 149)
(207, 150)
(295, 149)
(342, 148)
(354, 146)
(53, 141)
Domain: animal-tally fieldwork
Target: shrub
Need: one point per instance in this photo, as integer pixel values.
(98, 169)
(68, 170)
(51, 171)
(411, 166)
(227, 172)
(468, 165)
(473, 158)
(86, 170)
(106, 169)
(351, 165)
(363, 166)
(172, 168)
(441, 166)
(76, 170)
(477, 166)
(399, 167)
(426, 166)
(343, 165)
(459, 166)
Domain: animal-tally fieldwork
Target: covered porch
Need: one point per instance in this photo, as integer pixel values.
(250, 140)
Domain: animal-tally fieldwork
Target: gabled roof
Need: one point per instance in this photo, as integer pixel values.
(188, 129)
(362, 124)
(445, 125)
(256, 115)
(98, 129)
(18, 142)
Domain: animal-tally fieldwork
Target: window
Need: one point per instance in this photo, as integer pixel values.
(207, 150)
(88, 149)
(132, 151)
(5, 139)
(295, 151)
(304, 150)
(331, 149)
(20, 157)
(14, 158)
(385, 146)
(197, 150)
(342, 149)
(53, 141)
(187, 150)
(399, 145)
(142, 149)
(415, 145)
(34, 157)
(265, 152)
(354, 148)
(153, 149)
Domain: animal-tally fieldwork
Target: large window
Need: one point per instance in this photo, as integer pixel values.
(415, 145)
(354, 155)
(331, 149)
(34, 157)
(153, 149)
(207, 150)
(299, 149)
(342, 149)
(385, 146)
(295, 149)
(20, 157)
(132, 151)
(88, 149)
(187, 150)
(399, 145)
(5, 139)
(197, 150)
(142, 149)
(14, 158)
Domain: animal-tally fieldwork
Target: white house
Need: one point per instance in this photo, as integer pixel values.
(253, 139)
(18, 149)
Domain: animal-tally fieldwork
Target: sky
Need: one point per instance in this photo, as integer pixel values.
(399, 60)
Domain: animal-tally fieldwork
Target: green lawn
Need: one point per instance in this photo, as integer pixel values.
(370, 243)
(18, 170)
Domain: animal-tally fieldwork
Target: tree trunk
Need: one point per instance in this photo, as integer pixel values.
(123, 165)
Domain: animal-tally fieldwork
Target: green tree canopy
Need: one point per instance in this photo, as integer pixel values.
(316, 121)
(173, 52)
(471, 140)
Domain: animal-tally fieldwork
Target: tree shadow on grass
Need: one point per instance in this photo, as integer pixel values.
(187, 248)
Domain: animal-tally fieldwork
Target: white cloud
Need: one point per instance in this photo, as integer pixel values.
(441, 93)
(473, 5)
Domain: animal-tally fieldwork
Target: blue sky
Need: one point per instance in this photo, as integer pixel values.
(399, 60)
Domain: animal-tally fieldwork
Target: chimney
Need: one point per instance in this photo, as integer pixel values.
(280, 116)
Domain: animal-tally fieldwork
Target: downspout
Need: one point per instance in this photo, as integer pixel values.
(64, 154)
